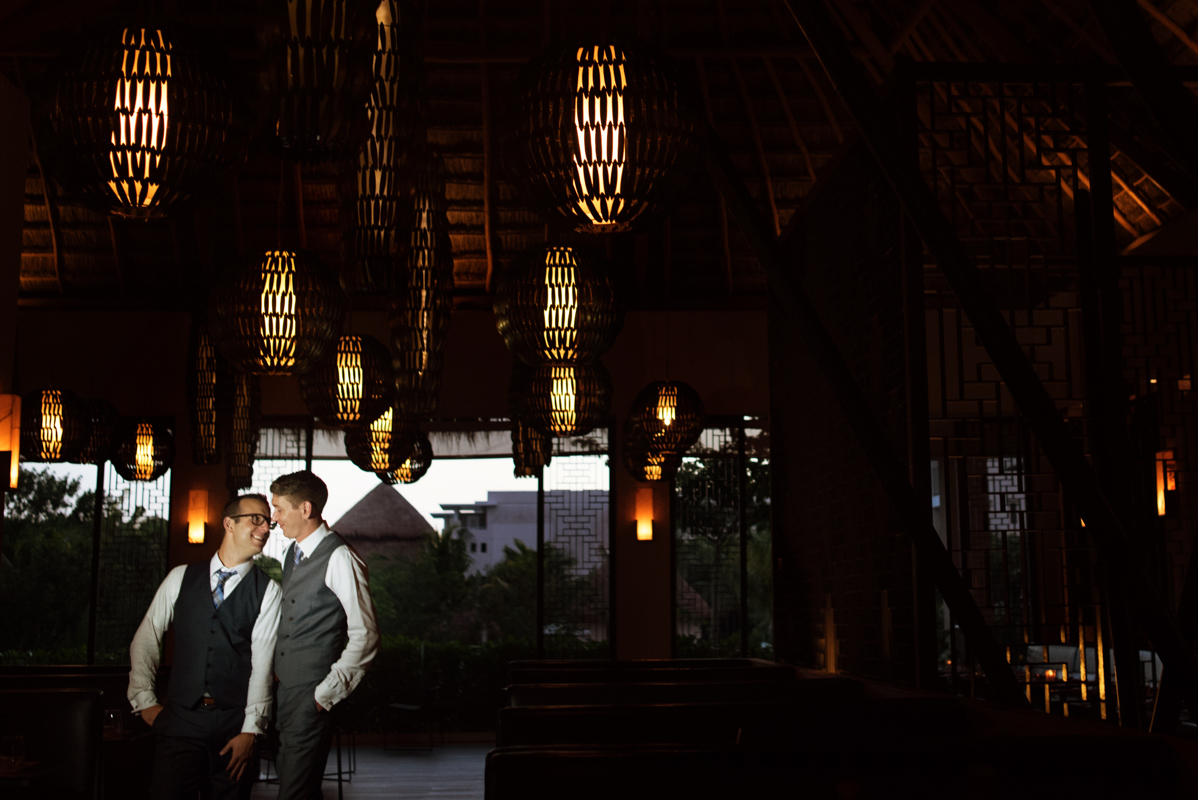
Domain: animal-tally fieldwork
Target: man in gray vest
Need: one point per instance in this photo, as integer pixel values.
(225, 612)
(327, 632)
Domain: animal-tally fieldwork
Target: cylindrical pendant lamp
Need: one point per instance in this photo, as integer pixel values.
(353, 385)
(566, 399)
(204, 371)
(55, 426)
(415, 465)
(145, 450)
(381, 446)
(240, 412)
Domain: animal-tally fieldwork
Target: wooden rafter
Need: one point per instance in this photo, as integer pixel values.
(47, 194)
(488, 179)
(790, 117)
(901, 35)
(1167, 21)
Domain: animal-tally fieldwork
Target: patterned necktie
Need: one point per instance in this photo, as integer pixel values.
(299, 555)
(218, 596)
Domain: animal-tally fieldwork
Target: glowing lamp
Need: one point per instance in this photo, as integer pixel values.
(197, 515)
(644, 462)
(1166, 479)
(382, 445)
(644, 514)
(566, 399)
(556, 305)
(671, 415)
(415, 465)
(353, 385)
(10, 434)
(280, 316)
(142, 120)
(145, 451)
(602, 140)
(55, 426)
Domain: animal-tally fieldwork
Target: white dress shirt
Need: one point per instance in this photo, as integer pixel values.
(144, 652)
(347, 578)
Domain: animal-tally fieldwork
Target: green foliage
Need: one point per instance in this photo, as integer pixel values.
(271, 567)
(428, 596)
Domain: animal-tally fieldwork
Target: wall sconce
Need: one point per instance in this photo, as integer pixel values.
(10, 434)
(1166, 479)
(197, 515)
(644, 514)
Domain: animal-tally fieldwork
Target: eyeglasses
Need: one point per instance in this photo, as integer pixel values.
(257, 519)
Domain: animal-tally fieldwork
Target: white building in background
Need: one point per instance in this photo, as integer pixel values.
(491, 525)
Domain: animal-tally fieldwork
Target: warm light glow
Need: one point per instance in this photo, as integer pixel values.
(143, 116)
(1050, 674)
(644, 514)
(350, 378)
(403, 473)
(1166, 478)
(51, 436)
(424, 277)
(278, 308)
(10, 434)
(599, 121)
(197, 515)
(380, 441)
(563, 401)
(561, 305)
(143, 459)
(667, 404)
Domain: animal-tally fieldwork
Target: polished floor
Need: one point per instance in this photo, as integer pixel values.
(452, 772)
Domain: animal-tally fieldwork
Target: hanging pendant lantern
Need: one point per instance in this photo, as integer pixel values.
(532, 449)
(602, 140)
(566, 399)
(55, 426)
(556, 305)
(671, 415)
(141, 120)
(279, 317)
(353, 385)
(240, 421)
(643, 462)
(414, 466)
(381, 446)
(203, 373)
(317, 58)
(105, 427)
(376, 185)
(144, 450)
(419, 315)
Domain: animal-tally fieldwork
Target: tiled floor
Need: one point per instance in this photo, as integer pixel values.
(452, 772)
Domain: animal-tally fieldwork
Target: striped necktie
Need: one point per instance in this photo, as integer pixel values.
(218, 595)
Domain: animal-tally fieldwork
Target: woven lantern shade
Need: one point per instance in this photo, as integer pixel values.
(353, 385)
(105, 427)
(141, 120)
(532, 449)
(382, 445)
(204, 369)
(317, 58)
(556, 305)
(644, 462)
(278, 317)
(415, 465)
(671, 415)
(566, 399)
(602, 140)
(419, 315)
(240, 420)
(375, 185)
(55, 426)
(144, 450)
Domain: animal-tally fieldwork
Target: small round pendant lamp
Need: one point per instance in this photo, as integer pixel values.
(55, 426)
(532, 449)
(415, 465)
(145, 450)
(381, 446)
(374, 188)
(643, 462)
(105, 427)
(203, 371)
(602, 140)
(418, 315)
(353, 385)
(556, 304)
(566, 399)
(317, 57)
(142, 120)
(240, 417)
(280, 316)
(671, 415)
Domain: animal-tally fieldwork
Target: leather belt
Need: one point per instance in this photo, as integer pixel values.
(207, 701)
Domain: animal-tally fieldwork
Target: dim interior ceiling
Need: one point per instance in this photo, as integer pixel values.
(760, 85)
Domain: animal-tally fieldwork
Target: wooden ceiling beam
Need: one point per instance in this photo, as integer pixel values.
(900, 36)
(1167, 21)
(790, 118)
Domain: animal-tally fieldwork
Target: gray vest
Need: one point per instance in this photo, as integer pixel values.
(312, 625)
(213, 646)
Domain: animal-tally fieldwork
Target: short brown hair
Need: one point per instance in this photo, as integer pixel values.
(301, 487)
(234, 506)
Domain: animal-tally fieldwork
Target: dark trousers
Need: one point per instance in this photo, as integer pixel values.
(305, 736)
(187, 760)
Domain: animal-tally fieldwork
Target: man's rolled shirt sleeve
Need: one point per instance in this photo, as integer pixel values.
(347, 578)
(259, 697)
(145, 651)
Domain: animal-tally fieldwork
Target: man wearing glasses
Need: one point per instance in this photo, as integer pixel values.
(226, 616)
(327, 632)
